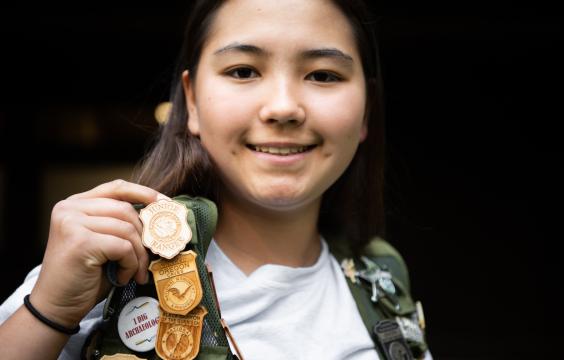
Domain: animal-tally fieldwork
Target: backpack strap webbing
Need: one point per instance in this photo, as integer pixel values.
(387, 257)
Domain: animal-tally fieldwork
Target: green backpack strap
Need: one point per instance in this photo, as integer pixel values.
(202, 216)
(385, 256)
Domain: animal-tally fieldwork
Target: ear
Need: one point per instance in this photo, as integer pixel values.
(191, 108)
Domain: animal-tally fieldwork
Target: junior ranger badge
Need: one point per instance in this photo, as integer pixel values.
(165, 229)
(177, 282)
(178, 336)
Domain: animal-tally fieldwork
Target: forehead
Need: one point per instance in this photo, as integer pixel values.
(280, 24)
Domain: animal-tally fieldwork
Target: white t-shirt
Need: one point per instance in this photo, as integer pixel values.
(291, 313)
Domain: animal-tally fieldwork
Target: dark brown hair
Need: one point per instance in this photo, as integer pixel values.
(352, 207)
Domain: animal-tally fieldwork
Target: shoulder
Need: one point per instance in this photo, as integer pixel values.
(377, 250)
(383, 253)
(379, 282)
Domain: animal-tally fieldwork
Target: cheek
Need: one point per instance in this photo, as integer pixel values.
(222, 115)
(342, 115)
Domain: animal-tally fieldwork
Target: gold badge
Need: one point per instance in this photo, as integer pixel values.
(178, 337)
(165, 228)
(177, 282)
(120, 357)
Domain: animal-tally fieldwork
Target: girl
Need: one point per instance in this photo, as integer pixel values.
(276, 117)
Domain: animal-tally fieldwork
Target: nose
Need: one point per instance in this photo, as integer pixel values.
(282, 104)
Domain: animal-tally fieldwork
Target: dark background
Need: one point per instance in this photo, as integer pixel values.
(473, 104)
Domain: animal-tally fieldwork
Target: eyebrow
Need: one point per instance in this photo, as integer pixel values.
(307, 54)
(326, 52)
(244, 48)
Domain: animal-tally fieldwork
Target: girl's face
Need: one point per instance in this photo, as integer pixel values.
(279, 100)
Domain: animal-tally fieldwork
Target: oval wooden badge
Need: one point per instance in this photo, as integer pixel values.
(165, 228)
(177, 282)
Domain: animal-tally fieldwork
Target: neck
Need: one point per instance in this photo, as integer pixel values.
(252, 236)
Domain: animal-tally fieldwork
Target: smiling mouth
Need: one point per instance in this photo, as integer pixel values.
(281, 150)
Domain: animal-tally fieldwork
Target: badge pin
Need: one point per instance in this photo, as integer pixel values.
(177, 282)
(410, 330)
(179, 336)
(420, 315)
(138, 323)
(165, 228)
(390, 339)
(349, 270)
(381, 281)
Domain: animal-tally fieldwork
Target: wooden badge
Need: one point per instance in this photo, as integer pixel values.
(120, 357)
(178, 285)
(178, 337)
(165, 228)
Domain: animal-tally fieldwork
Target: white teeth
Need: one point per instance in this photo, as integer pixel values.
(280, 150)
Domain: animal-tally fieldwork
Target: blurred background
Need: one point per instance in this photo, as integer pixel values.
(474, 106)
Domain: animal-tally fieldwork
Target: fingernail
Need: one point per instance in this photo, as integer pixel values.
(162, 197)
(146, 278)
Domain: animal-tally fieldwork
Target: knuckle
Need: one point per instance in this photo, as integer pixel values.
(124, 207)
(60, 207)
(67, 219)
(118, 183)
(127, 247)
(61, 215)
(131, 230)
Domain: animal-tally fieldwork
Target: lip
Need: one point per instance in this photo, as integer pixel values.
(281, 149)
(282, 159)
(282, 144)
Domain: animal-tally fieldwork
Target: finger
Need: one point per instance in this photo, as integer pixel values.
(107, 208)
(112, 248)
(126, 231)
(122, 190)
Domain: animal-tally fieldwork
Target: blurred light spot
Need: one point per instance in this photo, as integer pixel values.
(162, 112)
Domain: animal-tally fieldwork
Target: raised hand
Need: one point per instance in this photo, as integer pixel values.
(86, 231)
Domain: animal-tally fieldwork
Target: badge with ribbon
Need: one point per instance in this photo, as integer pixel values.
(177, 282)
(165, 228)
(178, 336)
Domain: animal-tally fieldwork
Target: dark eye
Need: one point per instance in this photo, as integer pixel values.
(242, 73)
(323, 76)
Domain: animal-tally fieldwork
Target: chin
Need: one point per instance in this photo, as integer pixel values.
(281, 198)
(283, 201)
